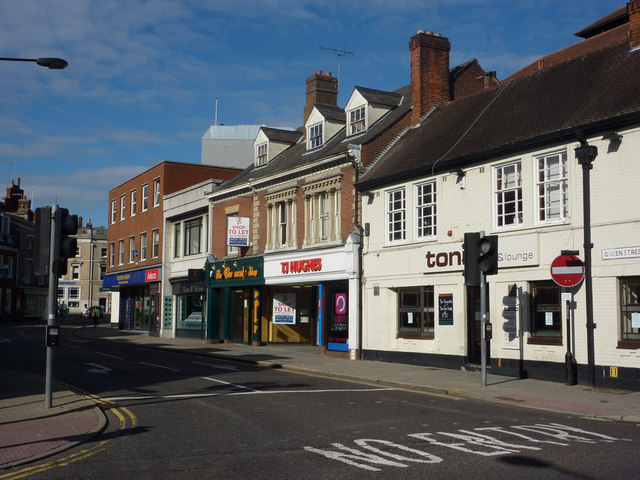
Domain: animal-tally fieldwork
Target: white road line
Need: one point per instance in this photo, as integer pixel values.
(251, 392)
(222, 367)
(159, 366)
(109, 355)
(227, 383)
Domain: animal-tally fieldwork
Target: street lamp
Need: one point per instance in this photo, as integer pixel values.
(90, 226)
(49, 62)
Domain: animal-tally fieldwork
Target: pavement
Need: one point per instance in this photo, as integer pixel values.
(29, 431)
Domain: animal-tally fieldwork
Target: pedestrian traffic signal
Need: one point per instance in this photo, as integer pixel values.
(67, 246)
(488, 254)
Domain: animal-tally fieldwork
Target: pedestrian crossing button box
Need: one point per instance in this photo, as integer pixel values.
(53, 335)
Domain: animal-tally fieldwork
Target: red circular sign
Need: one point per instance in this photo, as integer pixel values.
(567, 270)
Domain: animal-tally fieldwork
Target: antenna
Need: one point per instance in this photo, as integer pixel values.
(8, 163)
(215, 120)
(340, 54)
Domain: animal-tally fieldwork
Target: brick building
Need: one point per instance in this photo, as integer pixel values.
(288, 268)
(135, 239)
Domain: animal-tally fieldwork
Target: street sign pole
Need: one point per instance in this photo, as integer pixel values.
(51, 309)
(570, 372)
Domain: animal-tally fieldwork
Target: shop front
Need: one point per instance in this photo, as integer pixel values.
(234, 300)
(138, 294)
(189, 296)
(312, 297)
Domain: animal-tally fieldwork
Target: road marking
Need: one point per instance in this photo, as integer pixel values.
(109, 355)
(98, 368)
(159, 366)
(222, 367)
(84, 453)
(230, 384)
(249, 392)
(5, 340)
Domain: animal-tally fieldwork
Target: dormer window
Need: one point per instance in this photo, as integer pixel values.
(261, 154)
(315, 136)
(357, 122)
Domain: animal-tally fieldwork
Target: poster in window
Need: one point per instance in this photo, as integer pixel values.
(445, 308)
(284, 308)
(238, 231)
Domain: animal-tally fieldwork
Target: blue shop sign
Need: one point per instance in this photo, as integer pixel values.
(131, 278)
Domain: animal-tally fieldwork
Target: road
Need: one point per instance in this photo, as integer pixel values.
(184, 416)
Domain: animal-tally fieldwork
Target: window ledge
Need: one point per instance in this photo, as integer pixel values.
(542, 340)
(629, 344)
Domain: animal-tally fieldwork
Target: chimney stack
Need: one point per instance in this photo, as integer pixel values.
(429, 72)
(322, 89)
(633, 10)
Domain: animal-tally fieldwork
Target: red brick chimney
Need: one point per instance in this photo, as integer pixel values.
(322, 89)
(429, 72)
(633, 9)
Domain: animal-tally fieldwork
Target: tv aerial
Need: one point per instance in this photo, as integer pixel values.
(340, 54)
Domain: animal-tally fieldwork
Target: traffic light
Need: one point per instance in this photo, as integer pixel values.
(480, 255)
(67, 246)
(42, 240)
(488, 255)
(470, 247)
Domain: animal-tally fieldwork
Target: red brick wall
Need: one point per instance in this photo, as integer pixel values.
(633, 8)
(244, 207)
(173, 177)
(473, 80)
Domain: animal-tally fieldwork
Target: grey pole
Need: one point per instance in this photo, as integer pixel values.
(586, 154)
(483, 324)
(51, 307)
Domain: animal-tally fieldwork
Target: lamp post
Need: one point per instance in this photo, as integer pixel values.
(49, 62)
(90, 226)
(586, 154)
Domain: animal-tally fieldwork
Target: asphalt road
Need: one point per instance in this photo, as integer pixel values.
(183, 416)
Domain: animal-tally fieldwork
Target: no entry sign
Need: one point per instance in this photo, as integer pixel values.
(567, 270)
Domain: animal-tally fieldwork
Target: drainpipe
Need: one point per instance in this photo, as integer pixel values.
(354, 156)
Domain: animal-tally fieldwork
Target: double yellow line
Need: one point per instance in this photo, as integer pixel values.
(127, 421)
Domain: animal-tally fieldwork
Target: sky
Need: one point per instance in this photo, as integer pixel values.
(144, 76)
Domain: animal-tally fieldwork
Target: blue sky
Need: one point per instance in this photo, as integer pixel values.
(143, 76)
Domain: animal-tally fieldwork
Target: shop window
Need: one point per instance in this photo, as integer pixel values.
(630, 312)
(546, 314)
(416, 312)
